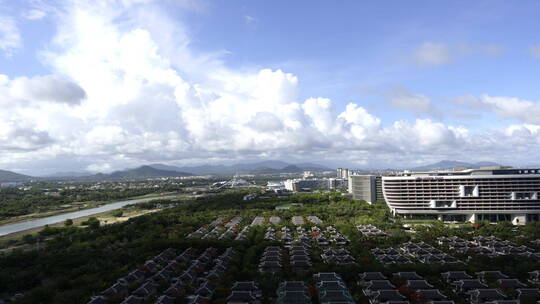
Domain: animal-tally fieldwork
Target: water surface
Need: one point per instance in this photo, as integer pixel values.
(30, 224)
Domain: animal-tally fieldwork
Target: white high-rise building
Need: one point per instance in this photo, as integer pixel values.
(363, 187)
(342, 173)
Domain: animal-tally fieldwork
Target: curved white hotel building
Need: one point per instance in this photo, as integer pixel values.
(490, 193)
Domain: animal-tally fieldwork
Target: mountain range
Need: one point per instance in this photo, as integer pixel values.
(135, 173)
(145, 172)
(264, 167)
(161, 170)
(451, 164)
(8, 176)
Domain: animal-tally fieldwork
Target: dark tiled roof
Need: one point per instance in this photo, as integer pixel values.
(369, 276)
(379, 285)
(387, 295)
(241, 297)
(455, 275)
(431, 294)
(418, 284)
(411, 275)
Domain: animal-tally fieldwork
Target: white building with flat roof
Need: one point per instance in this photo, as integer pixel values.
(296, 185)
(342, 173)
(362, 187)
(489, 193)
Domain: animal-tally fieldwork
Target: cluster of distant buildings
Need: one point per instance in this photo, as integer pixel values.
(11, 185)
(308, 183)
(491, 194)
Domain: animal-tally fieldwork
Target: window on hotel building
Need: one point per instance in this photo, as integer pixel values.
(469, 191)
(494, 217)
(524, 195)
(533, 217)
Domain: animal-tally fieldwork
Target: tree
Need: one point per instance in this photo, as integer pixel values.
(92, 222)
(68, 222)
(29, 239)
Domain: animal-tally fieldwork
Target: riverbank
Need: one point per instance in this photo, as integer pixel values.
(11, 241)
(77, 206)
(40, 222)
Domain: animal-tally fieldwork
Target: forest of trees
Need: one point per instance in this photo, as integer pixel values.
(69, 264)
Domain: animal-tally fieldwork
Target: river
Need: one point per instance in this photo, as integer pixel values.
(21, 226)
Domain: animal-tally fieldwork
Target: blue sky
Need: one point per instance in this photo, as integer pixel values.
(361, 83)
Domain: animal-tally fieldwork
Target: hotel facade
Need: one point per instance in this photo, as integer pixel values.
(491, 193)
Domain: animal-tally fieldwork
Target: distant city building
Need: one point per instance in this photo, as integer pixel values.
(308, 174)
(297, 185)
(342, 173)
(489, 193)
(277, 187)
(366, 188)
(235, 182)
(336, 183)
(11, 184)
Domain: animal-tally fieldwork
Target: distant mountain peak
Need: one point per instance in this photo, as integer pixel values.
(262, 167)
(146, 171)
(9, 176)
(452, 164)
(68, 174)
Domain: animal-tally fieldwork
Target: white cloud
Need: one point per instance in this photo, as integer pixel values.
(22, 137)
(132, 91)
(464, 49)
(359, 124)
(10, 37)
(436, 53)
(35, 14)
(535, 50)
(249, 19)
(99, 167)
(266, 122)
(432, 54)
(423, 135)
(505, 107)
(401, 98)
(48, 88)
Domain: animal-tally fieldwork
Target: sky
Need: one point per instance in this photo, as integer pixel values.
(110, 84)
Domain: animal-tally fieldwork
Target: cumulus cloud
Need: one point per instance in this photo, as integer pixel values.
(506, 107)
(22, 137)
(359, 124)
(266, 122)
(132, 91)
(401, 98)
(48, 88)
(10, 37)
